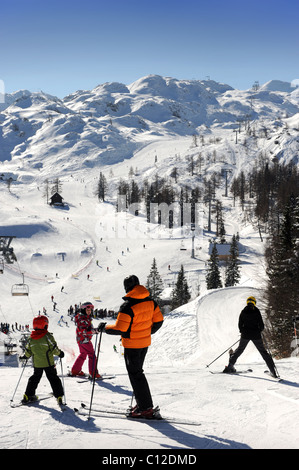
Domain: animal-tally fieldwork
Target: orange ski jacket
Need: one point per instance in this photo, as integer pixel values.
(139, 317)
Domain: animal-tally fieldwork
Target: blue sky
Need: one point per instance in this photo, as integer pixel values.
(62, 46)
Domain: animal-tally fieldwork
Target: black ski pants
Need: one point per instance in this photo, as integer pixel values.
(52, 376)
(261, 349)
(134, 359)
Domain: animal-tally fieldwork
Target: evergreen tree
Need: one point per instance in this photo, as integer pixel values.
(123, 190)
(220, 230)
(154, 282)
(232, 273)
(134, 193)
(282, 293)
(102, 187)
(180, 294)
(213, 279)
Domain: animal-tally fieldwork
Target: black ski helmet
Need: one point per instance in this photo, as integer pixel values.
(130, 282)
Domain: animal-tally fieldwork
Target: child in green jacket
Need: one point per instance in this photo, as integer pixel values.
(42, 347)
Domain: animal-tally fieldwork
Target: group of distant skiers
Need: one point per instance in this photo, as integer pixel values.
(6, 328)
(139, 317)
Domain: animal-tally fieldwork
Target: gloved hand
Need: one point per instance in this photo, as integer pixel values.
(23, 358)
(101, 326)
(61, 354)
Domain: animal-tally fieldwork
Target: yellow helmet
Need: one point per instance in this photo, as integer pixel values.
(251, 300)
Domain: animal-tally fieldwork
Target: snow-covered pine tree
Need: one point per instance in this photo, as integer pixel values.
(232, 272)
(180, 294)
(213, 279)
(154, 282)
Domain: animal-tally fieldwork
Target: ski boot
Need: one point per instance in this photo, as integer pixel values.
(96, 377)
(149, 413)
(59, 401)
(28, 399)
(229, 369)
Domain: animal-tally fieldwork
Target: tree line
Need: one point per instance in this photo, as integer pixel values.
(270, 195)
(274, 192)
(163, 191)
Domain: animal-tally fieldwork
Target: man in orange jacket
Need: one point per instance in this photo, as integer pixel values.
(139, 317)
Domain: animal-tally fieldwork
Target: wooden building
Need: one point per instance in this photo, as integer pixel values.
(56, 200)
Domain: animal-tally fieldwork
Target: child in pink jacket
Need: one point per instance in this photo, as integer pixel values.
(84, 333)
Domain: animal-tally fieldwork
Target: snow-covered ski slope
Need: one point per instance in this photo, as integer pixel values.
(61, 247)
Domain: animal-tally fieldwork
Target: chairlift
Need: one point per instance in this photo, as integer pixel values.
(20, 289)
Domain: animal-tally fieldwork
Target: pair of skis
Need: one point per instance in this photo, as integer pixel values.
(89, 378)
(36, 401)
(246, 371)
(237, 372)
(118, 414)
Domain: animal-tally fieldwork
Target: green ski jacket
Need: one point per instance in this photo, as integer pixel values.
(42, 349)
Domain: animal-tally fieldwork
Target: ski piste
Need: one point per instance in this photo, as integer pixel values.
(118, 414)
(30, 403)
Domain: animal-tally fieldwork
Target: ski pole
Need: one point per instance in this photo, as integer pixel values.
(132, 400)
(269, 352)
(94, 358)
(222, 353)
(62, 377)
(23, 368)
(102, 325)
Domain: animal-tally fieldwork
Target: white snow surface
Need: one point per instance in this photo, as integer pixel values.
(239, 412)
(247, 411)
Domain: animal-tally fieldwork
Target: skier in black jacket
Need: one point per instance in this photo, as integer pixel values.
(251, 326)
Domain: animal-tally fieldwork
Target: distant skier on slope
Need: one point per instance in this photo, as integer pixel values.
(250, 325)
(42, 347)
(84, 333)
(139, 317)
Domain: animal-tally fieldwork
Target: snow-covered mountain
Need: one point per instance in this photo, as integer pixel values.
(108, 124)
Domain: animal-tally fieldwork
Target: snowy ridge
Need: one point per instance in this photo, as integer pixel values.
(110, 123)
